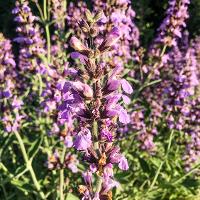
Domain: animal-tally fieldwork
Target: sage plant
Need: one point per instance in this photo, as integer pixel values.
(94, 100)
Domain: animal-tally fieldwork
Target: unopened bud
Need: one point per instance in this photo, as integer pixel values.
(98, 16)
(102, 160)
(77, 44)
(89, 16)
(84, 26)
(84, 89)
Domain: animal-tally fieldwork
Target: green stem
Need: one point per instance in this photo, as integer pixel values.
(185, 175)
(99, 184)
(45, 9)
(11, 177)
(40, 84)
(162, 163)
(96, 146)
(62, 197)
(40, 10)
(29, 165)
(48, 43)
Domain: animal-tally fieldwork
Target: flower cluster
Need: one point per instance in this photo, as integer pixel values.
(171, 28)
(161, 65)
(8, 95)
(116, 14)
(59, 13)
(59, 37)
(29, 38)
(7, 69)
(93, 99)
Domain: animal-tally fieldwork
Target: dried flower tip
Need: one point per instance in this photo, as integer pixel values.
(108, 196)
(53, 159)
(82, 189)
(63, 133)
(102, 160)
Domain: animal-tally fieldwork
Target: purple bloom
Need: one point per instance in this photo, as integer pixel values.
(68, 141)
(126, 86)
(109, 183)
(83, 140)
(87, 177)
(123, 163)
(31, 42)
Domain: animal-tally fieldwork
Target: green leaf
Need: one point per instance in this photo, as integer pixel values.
(35, 147)
(72, 197)
(144, 165)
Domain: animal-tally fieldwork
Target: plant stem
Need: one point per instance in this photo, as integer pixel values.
(162, 163)
(29, 165)
(62, 197)
(96, 146)
(40, 10)
(45, 11)
(185, 175)
(99, 183)
(48, 43)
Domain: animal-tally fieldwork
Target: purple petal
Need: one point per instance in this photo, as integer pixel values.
(126, 86)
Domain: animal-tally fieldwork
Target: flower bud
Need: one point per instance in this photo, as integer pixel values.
(89, 16)
(98, 16)
(84, 89)
(84, 26)
(76, 44)
(94, 31)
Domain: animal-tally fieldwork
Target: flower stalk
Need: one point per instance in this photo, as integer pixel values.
(29, 166)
